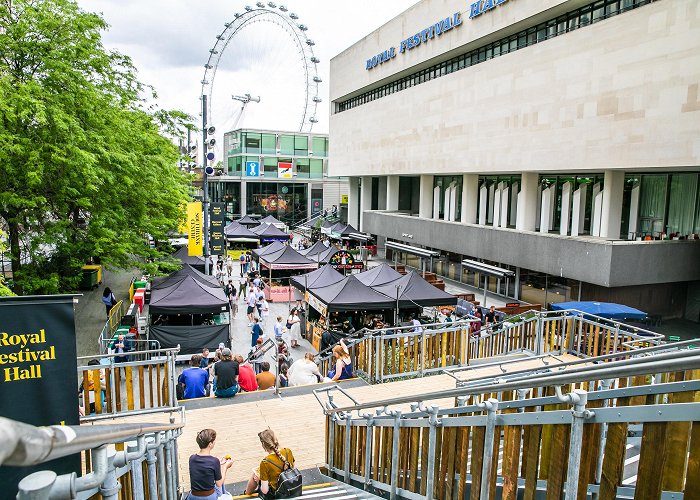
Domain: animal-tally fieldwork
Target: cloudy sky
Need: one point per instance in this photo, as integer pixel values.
(169, 42)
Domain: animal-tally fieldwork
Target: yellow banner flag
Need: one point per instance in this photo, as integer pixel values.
(194, 228)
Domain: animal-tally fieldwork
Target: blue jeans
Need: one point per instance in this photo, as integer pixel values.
(226, 393)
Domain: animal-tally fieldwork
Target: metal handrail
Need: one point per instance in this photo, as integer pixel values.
(167, 350)
(665, 362)
(26, 445)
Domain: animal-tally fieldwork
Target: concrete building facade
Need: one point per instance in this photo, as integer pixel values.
(557, 138)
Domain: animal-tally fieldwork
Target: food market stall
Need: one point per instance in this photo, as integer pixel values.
(285, 263)
(239, 240)
(269, 233)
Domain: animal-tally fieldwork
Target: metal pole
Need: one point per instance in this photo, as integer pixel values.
(205, 185)
(430, 473)
(394, 479)
(578, 397)
(152, 476)
(604, 386)
(491, 407)
(161, 474)
(109, 489)
(169, 464)
(368, 450)
(346, 461)
(136, 471)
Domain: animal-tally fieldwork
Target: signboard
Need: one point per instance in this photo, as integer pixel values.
(217, 221)
(315, 303)
(344, 260)
(343, 199)
(194, 228)
(284, 170)
(316, 204)
(38, 373)
(252, 169)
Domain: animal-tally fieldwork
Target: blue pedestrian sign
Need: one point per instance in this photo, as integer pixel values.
(252, 169)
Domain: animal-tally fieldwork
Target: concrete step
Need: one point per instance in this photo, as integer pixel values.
(328, 491)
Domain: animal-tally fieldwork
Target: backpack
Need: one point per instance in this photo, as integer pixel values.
(289, 482)
(261, 286)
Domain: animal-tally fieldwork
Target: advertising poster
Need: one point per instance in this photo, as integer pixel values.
(194, 229)
(217, 221)
(38, 373)
(284, 170)
(344, 260)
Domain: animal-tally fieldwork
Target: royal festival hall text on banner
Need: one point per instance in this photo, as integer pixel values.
(194, 229)
(217, 220)
(38, 373)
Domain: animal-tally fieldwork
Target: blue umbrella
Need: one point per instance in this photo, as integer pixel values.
(603, 309)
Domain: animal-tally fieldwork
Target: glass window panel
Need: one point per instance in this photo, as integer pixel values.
(681, 203)
(319, 146)
(269, 144)
(251, 142)
(287, 144)
(270, 166)
(652, 204)
(303, 168)
(301, 145)
(316, 169)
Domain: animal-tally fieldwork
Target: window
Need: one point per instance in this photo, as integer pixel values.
(270, 166)
(234, 165)
(303, 168)
(301, 145)
(251, 142)
(319, 146)
(287, 145)
(269, 144)
(316, 169)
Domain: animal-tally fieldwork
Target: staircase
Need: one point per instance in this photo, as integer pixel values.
(619, 425)
(331, 490)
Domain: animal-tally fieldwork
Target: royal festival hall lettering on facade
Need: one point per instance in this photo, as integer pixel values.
(433, 31)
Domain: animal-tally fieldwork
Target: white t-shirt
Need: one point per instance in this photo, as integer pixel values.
(303, 372)
(418, 328)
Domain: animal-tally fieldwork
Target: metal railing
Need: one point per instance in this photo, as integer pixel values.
(139, 387)
(392, 353)
(569, 434)
(145, 457)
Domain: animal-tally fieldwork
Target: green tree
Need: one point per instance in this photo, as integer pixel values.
(86, 169)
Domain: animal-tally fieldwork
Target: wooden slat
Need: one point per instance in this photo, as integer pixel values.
(479, 434)
(413, 460)
(494, 461)
(511, 456)
(108, 392)
(652, 459)
(86, 393)
(558, 463)
(386, 453)
(166, 385)
(362, 449)
(424, 457)
(531, 454)
(439, 482)
(129, 388)
(142, 387)
(158, 384)
(613, 461)
(678, 441)
(463, 447)
(692, 479)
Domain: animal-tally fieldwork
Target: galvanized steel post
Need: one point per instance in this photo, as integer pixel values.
(368, 449)
(578, 397)
(162, 487)
(109, 489)
(169, 476)
(394, 479)
(136, 472)
(491, 406)
(36, 486)
(430, 473)
(346, 461)
(152, 476)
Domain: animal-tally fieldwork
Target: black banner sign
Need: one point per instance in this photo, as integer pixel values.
(38, 373)
(344, 260)
(217, 221)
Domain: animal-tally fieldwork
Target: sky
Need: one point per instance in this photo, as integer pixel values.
(169, 43)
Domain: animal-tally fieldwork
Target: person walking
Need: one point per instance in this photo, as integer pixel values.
(108, 299)
(294, 325)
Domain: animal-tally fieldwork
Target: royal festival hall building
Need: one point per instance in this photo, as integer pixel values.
(558, 139)
(273, 172)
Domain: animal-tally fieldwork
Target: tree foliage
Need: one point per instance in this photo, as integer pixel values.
(86, 169)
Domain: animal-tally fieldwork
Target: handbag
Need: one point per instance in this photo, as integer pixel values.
(289, 482)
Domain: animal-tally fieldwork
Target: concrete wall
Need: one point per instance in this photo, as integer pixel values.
(596, 261)
(623, 93)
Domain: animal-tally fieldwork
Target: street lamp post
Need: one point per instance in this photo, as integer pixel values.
(205, 185)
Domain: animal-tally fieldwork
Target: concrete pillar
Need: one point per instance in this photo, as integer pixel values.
(578, 217)
(528, 202)
(514, 203)
(497, 205)
(425, 207)
(634, 210)
(244, 199)
(483, 204)
(565, 208)
(436, 202)
(353, 201)
(308, 200)
(365, 199)
(611, 214)
(392, 192)
(596, 208)
(453, 202)
(504, 205)
(490, 205)
(470, 198)
(547, 212)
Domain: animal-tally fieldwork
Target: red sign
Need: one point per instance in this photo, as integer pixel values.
(284, 170)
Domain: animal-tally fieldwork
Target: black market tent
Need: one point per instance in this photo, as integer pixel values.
(269, 232)
(315, 249)
(248, 221)
(323, 276)
(178, 276)
(413, 290)
(341, 230)
(324, 257)
(238, 232)
(196, 261)
(351, 294)
(379, 275)
(188, 296)
(270, 220)
(273, 247)
(191, 339)
(287, 258)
